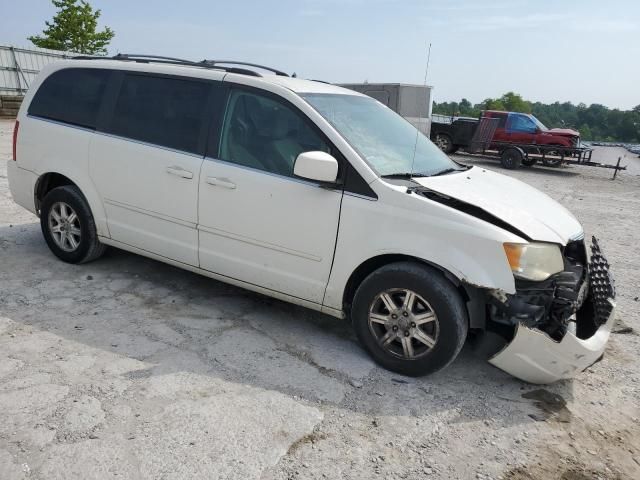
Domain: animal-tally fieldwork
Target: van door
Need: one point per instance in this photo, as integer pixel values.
(257, 222)
(146, 158)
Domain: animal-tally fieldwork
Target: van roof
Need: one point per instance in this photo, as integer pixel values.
(202, 70)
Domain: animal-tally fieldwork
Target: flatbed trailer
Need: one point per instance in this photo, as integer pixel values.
(475, 137)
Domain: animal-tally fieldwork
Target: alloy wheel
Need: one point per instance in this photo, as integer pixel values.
(64, 226)
(403, 323)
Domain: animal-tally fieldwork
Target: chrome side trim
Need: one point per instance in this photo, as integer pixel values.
(111, 135)
(150, 213)
(272, 174)
(259, 243)
(364, 197)
(147, 144)
(62, 124)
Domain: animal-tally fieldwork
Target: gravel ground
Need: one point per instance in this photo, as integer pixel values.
(130, 368)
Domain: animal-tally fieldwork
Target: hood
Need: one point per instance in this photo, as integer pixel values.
(525, 208)
(564, 132)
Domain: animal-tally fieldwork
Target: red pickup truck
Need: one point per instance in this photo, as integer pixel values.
(519, 128)
(526, 129)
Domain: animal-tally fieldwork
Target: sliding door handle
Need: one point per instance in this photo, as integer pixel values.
(179, 172)
(221, 182)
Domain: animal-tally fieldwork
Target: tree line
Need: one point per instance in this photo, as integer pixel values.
(594, 122)
(74, 28)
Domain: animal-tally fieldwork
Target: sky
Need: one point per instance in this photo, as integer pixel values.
(546, 50)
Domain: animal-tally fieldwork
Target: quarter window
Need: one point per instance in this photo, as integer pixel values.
(72, 96)
(160, 110)
(263, 133)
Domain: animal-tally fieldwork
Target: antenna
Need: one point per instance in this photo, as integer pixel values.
(415, 146)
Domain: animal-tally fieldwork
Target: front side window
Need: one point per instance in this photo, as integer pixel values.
(72, 96)
(520, 123)
(385, 140)
(264, 133)
(161, 110)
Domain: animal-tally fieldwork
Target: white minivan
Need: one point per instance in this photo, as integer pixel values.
(316, 195)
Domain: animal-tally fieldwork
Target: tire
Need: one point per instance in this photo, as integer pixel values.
(445, 143)
(438, 311)
(529, 162)
(552, 162)
(511, 158)
(72, 239)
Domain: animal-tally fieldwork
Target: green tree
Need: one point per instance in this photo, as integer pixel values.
(73, 28)
(585, 132)
(494, 104)
(515, 103)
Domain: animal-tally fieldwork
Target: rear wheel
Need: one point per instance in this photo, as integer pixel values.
(529, 162)
(68, 226)
(444, 142)
(409, 318)
(511, 158)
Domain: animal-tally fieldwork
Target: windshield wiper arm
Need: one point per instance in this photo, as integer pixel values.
(403, 175)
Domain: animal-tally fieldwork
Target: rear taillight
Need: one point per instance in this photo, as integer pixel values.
(15, 140)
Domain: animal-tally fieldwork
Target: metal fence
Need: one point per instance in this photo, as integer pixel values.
(19, 66)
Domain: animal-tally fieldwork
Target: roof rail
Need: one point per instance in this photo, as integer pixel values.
(246, 64)
(141, 58)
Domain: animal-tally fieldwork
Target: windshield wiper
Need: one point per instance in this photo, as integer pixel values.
(447, 171)
(421, 174)
(403, 175)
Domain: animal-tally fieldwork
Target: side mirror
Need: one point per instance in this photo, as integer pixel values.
(318, 166)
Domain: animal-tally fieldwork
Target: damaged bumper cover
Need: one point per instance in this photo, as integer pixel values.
(561, 326)
(533, 356)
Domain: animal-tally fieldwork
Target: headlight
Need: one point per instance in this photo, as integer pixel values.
(534, 261)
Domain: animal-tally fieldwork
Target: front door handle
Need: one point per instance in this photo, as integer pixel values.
(221, 182)
(179, 172)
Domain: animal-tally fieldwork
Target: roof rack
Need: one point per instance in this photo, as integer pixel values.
(246, 64)
(141, 58)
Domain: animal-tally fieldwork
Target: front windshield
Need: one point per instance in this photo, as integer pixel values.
(538, 123)
(383, 138)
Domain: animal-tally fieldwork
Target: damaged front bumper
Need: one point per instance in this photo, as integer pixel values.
(533, 356)
(561, 327)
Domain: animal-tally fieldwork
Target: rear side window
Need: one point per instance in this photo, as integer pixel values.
(71, 96)
(160, 110)
(502, 119)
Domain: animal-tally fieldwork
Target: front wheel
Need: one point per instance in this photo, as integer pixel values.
(409, 318)
(554, 159)
(552, 162)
